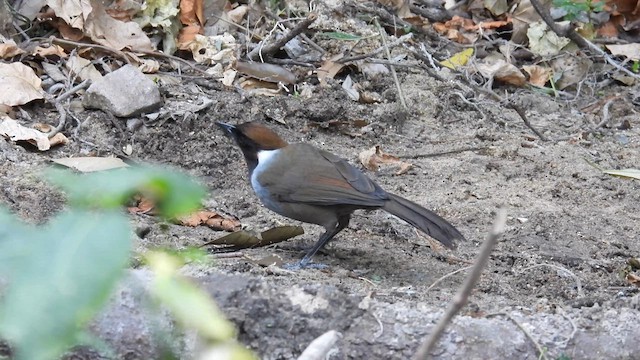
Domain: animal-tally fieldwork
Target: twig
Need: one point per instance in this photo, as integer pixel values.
(446, 276)
(382, 48)
(383, 37)
(443, 153)
(57, 102)
(560, 268)
(265, 51)
(526, 332)
(460, 299)
(475, 106)
(583, 43)
(302, 36)
(605, 113)
(574, 327)
(524, 118)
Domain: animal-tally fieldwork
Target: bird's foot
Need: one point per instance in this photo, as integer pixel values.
(303, 265)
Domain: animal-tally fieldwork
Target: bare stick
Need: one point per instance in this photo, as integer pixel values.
(383, 37)
(446, 276)
(57, 102)
(605, 113)
(263, 51)
(375, 52)
(462, 296)
(526, 332)
(443, 153)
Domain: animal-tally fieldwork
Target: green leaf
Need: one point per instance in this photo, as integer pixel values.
(630, 173)
(337, 35)
(191, 306)
(61, 274)
(174, 193)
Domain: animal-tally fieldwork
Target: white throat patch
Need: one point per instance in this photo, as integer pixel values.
(265, 156)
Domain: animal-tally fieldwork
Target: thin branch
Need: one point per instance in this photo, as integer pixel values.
(541, 351)
(375, 52)
(265, 51)
(383, 37)
(460, 299)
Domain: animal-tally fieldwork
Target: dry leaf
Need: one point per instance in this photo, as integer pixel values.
(16, 132)
(20, 84)
(211, 219)
(633, 279)
(543, 41)
(329, 69)
(83, 68)
(630, 51)
(374, 157)
(570, 70)
(107, 31)
(499, 69)
(212, 49)
(143, 206)
(49, 50)
(58, 139)
(266, 72)
(236, 15)
(90, 164)
(458, 59)
(9, 48)
(73, 12)
(243, 239)
(538, 75)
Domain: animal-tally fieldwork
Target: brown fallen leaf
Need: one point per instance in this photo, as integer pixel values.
(374, 157)
(633, 279)
(143, 206)
(210, 219)
(243, 239)
(58, 139)
(329, 69)
(15, 132)
(538, 75)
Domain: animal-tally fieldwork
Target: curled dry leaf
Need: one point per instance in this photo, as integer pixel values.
(243, 239)
(633, 279)
(143, 205)
(374, 157)
(266, 72)
(212, 49)
(58, 139)
(210, 219)
(9, 48)
(538, 75)
(498, 69)
(16, 132)
(107, 31)
(329, 69)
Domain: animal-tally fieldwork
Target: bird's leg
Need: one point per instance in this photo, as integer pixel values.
(343, 222)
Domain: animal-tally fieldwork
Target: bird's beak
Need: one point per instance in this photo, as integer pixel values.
(229, 129)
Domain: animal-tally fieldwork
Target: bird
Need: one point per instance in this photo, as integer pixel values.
(308, 184)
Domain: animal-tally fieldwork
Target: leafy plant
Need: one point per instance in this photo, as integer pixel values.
(578, 10)
(58, 276)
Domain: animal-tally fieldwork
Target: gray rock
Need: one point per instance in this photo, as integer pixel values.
(124, 92)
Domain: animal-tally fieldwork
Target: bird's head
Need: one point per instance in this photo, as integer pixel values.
(253, 137)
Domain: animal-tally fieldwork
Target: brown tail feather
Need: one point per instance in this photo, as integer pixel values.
(427, 221)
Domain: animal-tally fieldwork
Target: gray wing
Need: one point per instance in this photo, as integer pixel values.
(330, 181)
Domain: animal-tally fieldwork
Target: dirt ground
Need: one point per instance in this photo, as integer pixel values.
(570, 232)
